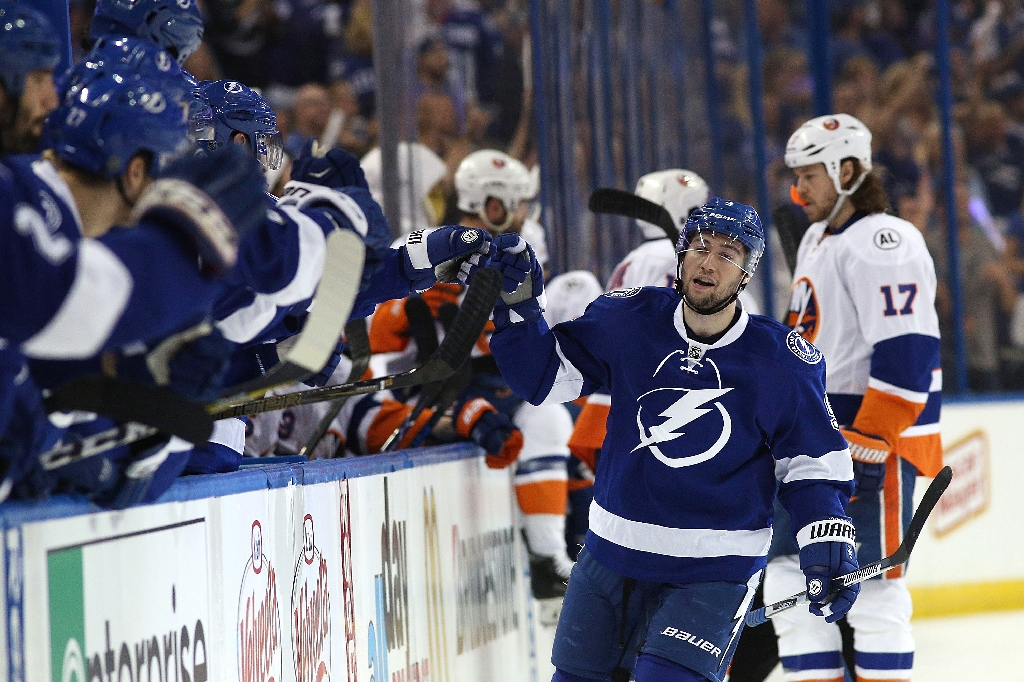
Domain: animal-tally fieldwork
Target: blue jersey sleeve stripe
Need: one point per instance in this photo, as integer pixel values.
(906, 361)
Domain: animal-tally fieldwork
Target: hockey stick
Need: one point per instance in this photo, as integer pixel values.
(476, 308)
(900, 556)
(335, 295)
(123, 401)
(359, 352)
(431, 393)
(619, 202)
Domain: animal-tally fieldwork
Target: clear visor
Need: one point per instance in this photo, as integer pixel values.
(705, 243)
(269, 149)
(200, 122)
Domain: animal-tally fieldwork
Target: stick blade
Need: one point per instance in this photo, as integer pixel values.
(123, 401)
(619, 202)
(469, 322)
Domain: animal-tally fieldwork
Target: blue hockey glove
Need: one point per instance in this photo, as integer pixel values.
(869, 454)
(214, 199)
(25, 430)
(445, 254)
(827, 550)
(351, 208)
(146, 473)
(321, 377)
(193, 363)
(523, 284)
(335, 168)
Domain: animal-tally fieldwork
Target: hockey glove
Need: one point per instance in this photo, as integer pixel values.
(869, 454)
(193, 363)
(334, 168)
(523, 286)
(444, 254)
(493, 431)
(215, 199)
(321, 377)
(146, 474)
(827, 550)
(25, 430)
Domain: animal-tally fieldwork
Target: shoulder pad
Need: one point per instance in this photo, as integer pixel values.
(303, 195)
(882, 239)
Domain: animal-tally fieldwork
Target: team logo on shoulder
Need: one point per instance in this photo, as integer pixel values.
(802, 348)
(624, 293)
(887, 239)
(803, 310)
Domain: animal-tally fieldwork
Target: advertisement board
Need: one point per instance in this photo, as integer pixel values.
(379, 572)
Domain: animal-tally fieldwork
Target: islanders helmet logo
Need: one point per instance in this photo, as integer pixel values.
(677, 408)
(803, 312)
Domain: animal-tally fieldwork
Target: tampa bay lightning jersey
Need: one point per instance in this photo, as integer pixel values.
(701, 437)
(66, 297)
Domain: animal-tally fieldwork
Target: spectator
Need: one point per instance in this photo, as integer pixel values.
(776, 28)
(997, 156)
(433, 74)
(310, 112)
(355, 63)
(986, 285)
(474, 45)
(237, 32)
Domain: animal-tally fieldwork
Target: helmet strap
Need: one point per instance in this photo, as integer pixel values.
(843, 194)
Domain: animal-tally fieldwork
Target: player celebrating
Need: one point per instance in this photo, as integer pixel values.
(864, 293)
(712, 410)
(29, 51)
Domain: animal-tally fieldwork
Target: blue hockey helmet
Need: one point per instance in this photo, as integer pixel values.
(123, 55)
(28, 43)
(109, 119)
(731, 219)
(200, 114)
(239, 109)
(174, 25)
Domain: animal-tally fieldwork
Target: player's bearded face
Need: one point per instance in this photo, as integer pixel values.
(710, 274)
(814, 186)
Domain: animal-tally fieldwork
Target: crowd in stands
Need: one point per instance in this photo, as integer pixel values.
(312, 59)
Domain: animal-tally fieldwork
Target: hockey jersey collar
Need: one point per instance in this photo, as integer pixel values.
(734, 332)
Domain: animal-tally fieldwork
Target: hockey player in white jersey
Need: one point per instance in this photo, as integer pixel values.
(714, 412)
(29, 51)
(864, 294)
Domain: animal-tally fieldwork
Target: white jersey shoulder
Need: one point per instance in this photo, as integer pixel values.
(652, 264)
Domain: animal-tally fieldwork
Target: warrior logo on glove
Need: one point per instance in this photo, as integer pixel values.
(814, 587)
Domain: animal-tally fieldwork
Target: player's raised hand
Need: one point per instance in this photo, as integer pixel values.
(445, 254)
(828, 550)
(331, 168)
(523, 285)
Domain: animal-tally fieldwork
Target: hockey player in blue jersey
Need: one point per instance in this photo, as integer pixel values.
(29, 51)
(174, 25)
(714, 412)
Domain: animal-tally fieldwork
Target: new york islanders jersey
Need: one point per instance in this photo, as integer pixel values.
(865, 296)
(66, 297)
(652, 264)
(700, 436)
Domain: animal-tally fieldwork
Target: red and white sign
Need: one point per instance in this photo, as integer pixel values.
(968, 494)
(259, 620)
(311, 611)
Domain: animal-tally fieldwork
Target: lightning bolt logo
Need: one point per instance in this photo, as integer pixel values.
(683, 411)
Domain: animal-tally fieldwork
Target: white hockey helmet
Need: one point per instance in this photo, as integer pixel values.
(829, 140)
(569, 294)
(490, 173)
(678, 190)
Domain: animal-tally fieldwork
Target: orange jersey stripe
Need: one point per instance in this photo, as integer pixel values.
(543, 497)
(577, 484)
(924, 452)
(589, 432)
(886, 415)
(892, 497)
(887, 679)
(389, 328)
(388, 418)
